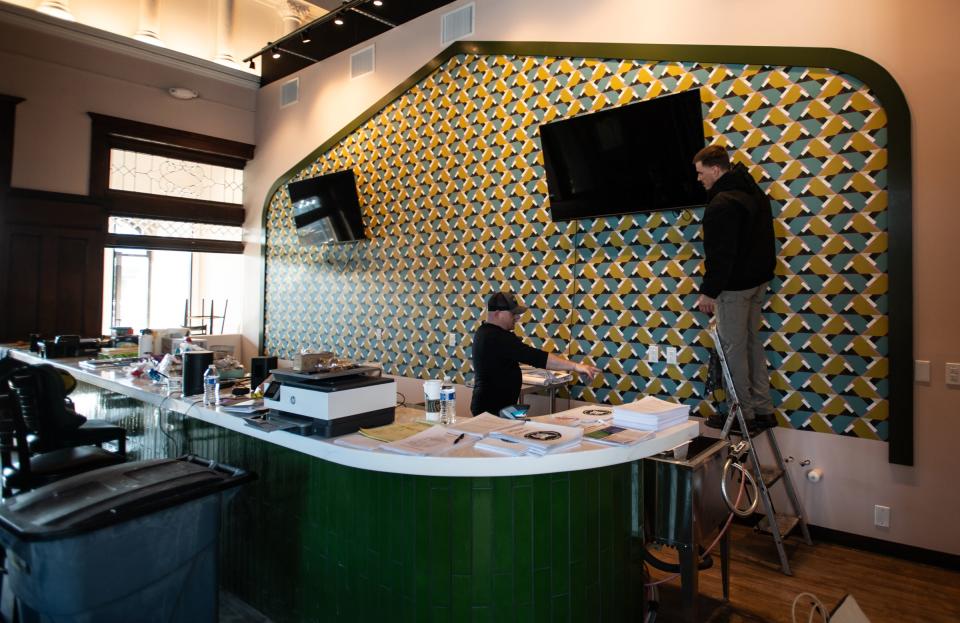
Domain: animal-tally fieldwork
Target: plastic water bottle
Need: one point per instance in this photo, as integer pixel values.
(211, 386)
(448, 403)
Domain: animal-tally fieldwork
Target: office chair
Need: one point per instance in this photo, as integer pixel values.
(57, 422)
(23, 468)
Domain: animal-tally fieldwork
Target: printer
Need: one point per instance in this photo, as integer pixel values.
(331, 403)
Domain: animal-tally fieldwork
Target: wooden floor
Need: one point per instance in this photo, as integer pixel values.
(888, 590)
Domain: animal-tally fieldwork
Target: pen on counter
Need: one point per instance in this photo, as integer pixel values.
(457, 440)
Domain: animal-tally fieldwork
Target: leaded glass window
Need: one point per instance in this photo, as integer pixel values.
(173, 229)
(170, 177)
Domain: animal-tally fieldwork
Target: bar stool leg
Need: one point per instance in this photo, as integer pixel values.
(688, 582)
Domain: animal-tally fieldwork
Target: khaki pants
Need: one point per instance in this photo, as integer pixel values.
(738, 323)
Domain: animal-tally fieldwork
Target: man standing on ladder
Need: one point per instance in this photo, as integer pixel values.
(740, 256)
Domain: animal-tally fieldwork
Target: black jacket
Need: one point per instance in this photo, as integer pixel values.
(738, 239)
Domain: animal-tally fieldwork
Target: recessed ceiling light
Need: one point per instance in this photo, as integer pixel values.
(338, 22)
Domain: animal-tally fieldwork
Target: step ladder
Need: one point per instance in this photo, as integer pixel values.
(765, 476)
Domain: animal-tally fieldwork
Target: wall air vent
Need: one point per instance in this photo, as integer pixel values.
(290, 92)
(457, 24)
(362, 62)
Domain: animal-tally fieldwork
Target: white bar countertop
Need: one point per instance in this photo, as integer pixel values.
(587, 456)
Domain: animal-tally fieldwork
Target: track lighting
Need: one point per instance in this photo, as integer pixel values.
(305, 37)
(338, 22)
(252, 65)
(276, 53)
(377, 2)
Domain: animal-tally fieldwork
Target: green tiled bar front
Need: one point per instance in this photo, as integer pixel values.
(312, 540)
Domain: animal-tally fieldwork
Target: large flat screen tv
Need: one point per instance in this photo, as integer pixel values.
(632, 158)
(327, 209)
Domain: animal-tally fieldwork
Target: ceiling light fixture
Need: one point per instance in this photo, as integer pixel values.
(252, 65)
(338, 22)
(276, 53)
(183, 93)
(305, 36)
(377, 2)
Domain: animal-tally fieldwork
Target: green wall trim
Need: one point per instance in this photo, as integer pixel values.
(899, 169)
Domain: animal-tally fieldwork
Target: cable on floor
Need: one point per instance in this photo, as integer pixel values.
(816, 607)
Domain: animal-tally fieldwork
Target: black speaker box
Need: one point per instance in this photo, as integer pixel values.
(260, 369)
(195, 363)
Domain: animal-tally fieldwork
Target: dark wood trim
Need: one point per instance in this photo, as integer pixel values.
(8, 118)
(887, 548)
(900, 445)
(43, 208)
(902, 551)
(161, 243)
(159, 149)
(123, 203)
(53, 263)
(115, 126)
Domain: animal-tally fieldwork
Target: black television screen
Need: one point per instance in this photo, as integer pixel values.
(326, 208)
(632, 158)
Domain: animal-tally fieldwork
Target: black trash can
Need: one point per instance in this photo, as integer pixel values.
(131, 542)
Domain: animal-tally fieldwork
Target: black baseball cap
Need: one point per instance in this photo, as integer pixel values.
(504, 301)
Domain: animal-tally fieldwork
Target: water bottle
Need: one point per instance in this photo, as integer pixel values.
(211, 386)
(448, 403)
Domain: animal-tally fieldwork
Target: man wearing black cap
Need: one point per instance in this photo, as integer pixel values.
(498, 353)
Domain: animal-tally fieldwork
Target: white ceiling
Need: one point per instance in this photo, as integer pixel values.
(223, 31)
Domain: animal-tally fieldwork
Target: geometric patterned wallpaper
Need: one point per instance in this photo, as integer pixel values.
(452, 188)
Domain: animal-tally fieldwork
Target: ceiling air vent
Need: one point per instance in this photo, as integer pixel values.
(457, 24)
(362, 62)
(290, 92)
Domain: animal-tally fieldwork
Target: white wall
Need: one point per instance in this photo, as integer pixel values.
(913, 41)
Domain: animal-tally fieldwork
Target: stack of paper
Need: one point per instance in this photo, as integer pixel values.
(502, 446)
(395, 431)
(434, 441)
(650, 413)
(242, 406)
(616, 435)
(541, 438)
(358, 442)
(481, 425)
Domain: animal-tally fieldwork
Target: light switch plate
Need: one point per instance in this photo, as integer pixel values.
(672, 354)
(653, 354)
(953, 374)
(921, 371)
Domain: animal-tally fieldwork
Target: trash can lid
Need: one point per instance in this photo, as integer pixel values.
(110, 495)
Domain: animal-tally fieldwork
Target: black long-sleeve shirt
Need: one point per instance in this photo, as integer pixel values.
(738, 238)
(497, 355)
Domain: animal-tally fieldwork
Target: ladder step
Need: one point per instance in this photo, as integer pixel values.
(770, 474)
(785, 523)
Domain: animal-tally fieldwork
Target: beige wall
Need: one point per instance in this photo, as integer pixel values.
(915, 42)
(52, 139)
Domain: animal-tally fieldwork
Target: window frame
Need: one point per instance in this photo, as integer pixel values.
(115, 133)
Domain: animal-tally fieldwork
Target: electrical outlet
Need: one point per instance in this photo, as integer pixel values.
(451, 339)
(881, 516)
(953, 374)
(672, 354)
(653, 354)
(921, 371)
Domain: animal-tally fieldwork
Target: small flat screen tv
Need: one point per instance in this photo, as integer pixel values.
(327, 209)
(632, 158)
